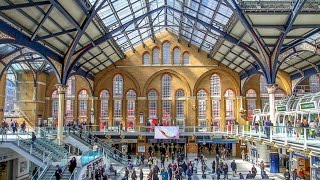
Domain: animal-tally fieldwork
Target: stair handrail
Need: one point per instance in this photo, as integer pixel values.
(62, 165)
(74, 174)
(46, 163)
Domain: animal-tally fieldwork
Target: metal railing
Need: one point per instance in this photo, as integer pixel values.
(304, 137)
(43, 168)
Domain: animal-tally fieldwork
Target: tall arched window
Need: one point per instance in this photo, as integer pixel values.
(166, 55)
(131, 109)
(263, 92)
(314, 83)
(251, 97)
(55, 104)
(229, 98)
(152, 98)
(70, 97)
(146, 58)
(155, 56)
(186, 58)
(166, 98)
(117, 97)
(176, 56)
(104, 106)
(180, 99)
(83, 104)
(202, 108)
(215, 100)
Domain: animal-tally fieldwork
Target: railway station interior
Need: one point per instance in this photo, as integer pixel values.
(159, 89)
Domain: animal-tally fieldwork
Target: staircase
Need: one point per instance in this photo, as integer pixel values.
(109, 151)
(49, 173)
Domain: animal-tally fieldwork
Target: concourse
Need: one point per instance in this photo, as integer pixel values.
(159, 89)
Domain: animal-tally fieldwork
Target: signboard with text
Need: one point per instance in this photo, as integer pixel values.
(308, 106)
(281, 108)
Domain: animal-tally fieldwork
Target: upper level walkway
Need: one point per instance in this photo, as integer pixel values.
(305, 140)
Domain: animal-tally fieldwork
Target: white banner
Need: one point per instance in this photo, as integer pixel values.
(166, 132)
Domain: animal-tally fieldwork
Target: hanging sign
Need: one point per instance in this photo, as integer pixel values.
(308, 106)
(281, 108)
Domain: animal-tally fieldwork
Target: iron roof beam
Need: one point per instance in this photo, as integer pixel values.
(195, 24)
(54, 34)
(277, 49)
(181, 19)
(41, 23)
(23, 5)
(149, 21)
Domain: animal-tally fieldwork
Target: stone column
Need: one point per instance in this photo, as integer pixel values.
(92, 110)
(2, 95)
(271, 88)
(61, 109)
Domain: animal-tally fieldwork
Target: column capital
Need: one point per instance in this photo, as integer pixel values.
(61, 88)
(271, 88)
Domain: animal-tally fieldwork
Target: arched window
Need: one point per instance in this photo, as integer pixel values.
(314, 83)
(229, 96)
(202, 108)
(10, 95)
(263, 92)
(104, 106)
(176, 56)
(152, 98)
(117, 97)
(83, 103)
(131, 109)
(70, 97)
(251, 97)
(156, 56)
(180, 99)
(215, 85)
(166, 98)
(166, 56)
(146, 58)
(186, 58)
(215, 99)
(55, 104)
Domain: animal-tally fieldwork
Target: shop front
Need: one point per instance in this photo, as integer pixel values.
(315, 168)
(301, 162)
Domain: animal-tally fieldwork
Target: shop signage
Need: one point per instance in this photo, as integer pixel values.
(281, 108)
(141, 117)
(308, 105)
(256, 111)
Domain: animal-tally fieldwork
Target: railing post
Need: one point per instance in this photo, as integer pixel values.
(259, 131)
(285, 136)
(270, 129)
(305, 138)
(194, 129)
(243, 130)
(237, 130)
(250, 131)
(232, 130)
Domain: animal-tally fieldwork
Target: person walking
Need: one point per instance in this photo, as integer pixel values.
(58, 173)
(141, 174)
(249, 176)
(33, 138)
(189, 172)
(262, 168)
(72, 165)
(234, 168)
(126, 174)
(213, 166)
(254, 172)
(241, 176)
(294, 174)
(225, 171)
(134, 174)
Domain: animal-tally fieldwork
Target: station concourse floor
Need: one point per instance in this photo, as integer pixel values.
(243, 166)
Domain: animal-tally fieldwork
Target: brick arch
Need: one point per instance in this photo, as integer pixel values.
(221, 74)
(170, 72)
(111, 74)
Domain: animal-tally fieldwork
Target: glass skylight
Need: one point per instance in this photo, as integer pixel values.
(118, 12)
